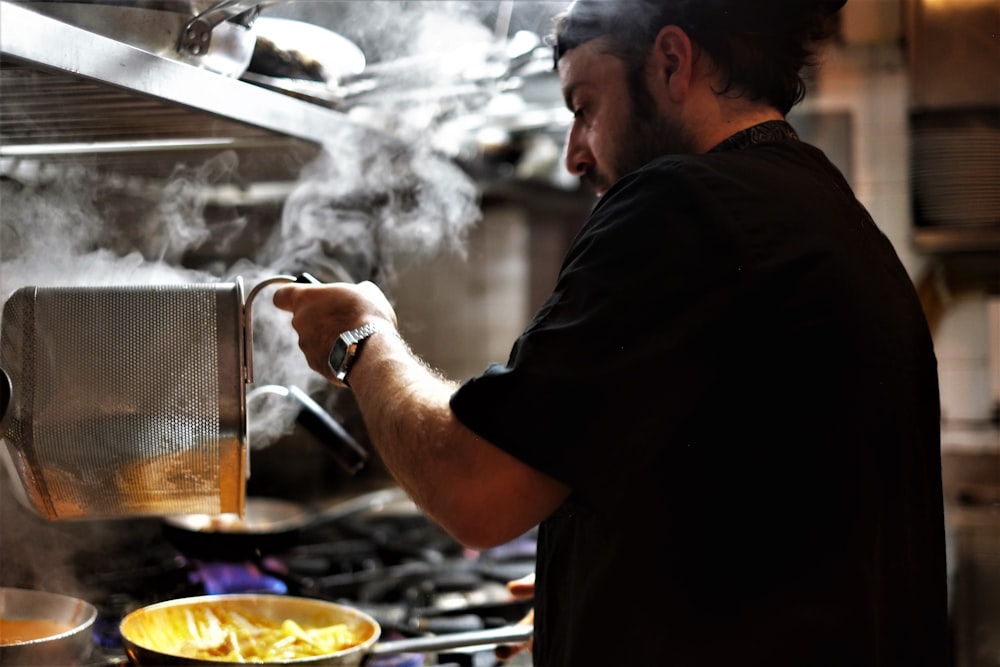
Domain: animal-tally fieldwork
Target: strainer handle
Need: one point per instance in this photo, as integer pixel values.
(248, 337)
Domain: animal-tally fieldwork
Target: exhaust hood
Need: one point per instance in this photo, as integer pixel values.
(69, 95)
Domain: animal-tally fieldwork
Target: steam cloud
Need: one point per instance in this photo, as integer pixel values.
(361, 209)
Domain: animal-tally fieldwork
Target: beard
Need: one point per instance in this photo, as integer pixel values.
(644, 135)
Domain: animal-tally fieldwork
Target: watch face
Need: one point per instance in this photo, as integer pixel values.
(338, 355)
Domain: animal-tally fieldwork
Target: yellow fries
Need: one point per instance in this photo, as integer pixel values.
(215, 633)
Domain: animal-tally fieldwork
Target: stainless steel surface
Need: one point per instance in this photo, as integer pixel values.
(142, 628)
(198, 35)
(62, 648)
(261, 516)
(68, 94)
(129, 400)
(164, 29)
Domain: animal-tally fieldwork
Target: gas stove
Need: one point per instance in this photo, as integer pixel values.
(400, 568)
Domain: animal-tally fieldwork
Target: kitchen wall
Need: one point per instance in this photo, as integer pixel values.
(461, 312)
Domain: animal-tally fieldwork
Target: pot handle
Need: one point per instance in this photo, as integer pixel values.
(248, 322)
(196, 38)
(508, 634)
(350, 455)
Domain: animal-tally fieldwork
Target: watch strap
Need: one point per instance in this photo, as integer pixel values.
(345, 349)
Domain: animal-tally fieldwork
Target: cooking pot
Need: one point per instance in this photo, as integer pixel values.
(41, 628)
(129, 401)
(215, 34)
(154, 635)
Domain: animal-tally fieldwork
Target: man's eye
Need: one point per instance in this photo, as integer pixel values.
(578, 113)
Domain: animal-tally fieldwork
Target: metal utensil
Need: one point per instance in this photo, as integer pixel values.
(131, 400)
(214, 34)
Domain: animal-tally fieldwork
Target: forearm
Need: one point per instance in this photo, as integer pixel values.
(475, 490)
(406, 413)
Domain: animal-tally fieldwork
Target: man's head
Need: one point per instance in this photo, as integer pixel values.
(760, 46)
(737, 60)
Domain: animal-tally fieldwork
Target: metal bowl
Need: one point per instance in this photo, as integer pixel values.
(65, 641)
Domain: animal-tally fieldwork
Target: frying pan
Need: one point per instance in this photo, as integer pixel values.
(268, 525)
(66, 646)
(150, 637)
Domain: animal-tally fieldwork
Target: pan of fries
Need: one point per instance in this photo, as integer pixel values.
(276, 630)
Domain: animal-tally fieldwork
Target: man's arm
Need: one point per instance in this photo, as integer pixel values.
(473, 489)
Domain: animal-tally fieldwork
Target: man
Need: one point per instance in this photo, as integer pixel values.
(725, 416)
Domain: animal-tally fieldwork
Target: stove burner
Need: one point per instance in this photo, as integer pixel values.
(222, 578)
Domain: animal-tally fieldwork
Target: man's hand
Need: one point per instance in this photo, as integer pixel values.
(320, 313)
(522, 589)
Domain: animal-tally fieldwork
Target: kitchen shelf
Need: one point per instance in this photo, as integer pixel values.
(969, 255)
(69, 95)
(958, 238)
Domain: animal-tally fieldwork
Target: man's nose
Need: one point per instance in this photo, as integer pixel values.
(578, 158)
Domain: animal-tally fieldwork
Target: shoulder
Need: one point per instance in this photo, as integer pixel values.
(673, 197)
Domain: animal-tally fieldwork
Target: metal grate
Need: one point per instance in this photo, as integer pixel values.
(127, 400)
(55, 117)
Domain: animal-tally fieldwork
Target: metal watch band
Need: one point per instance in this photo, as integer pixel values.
(345, 349)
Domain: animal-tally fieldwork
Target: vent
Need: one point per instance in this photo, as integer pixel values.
(956, 167)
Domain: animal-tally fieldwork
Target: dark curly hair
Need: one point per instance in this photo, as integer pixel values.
(761, 46)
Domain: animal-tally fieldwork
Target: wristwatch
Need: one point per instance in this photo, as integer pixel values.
(345, 349)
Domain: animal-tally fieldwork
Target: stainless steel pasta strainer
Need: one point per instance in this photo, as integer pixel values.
(128, 401)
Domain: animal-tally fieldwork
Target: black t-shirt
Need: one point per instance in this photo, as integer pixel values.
(735, 377)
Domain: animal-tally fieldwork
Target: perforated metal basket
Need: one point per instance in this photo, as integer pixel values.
(128, 401)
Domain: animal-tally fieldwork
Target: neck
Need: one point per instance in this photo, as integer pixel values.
(716, 132)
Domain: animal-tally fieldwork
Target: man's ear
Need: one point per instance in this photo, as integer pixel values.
(673, 62)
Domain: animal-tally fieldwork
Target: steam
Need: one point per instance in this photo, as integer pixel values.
(367, 205)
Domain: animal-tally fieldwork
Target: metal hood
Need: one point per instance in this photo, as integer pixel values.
(67, 94)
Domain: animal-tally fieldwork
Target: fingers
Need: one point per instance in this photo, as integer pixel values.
(523, 588)
(321, 312)
(284, 297)
(508, 651)
(348, 303)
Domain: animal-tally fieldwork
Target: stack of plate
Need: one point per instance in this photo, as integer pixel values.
(956, 168)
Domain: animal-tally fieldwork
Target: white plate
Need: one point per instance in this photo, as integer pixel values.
(338, 55)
